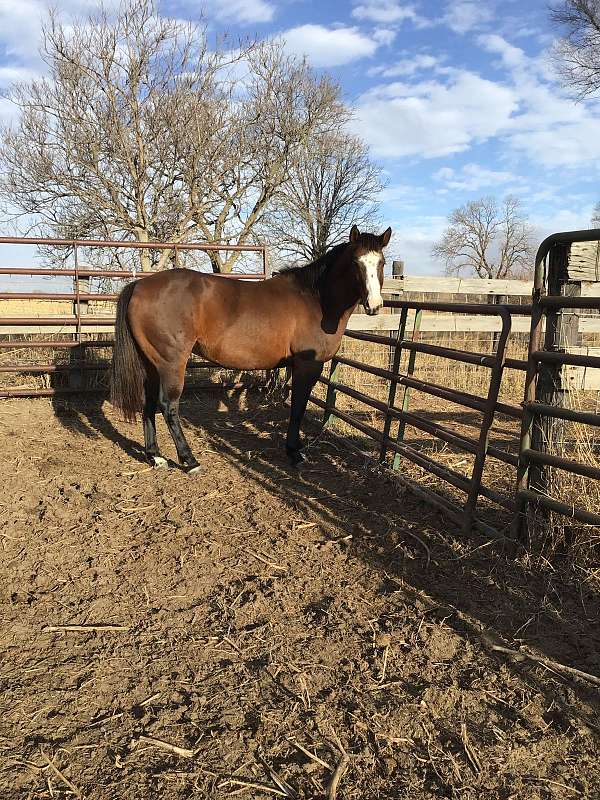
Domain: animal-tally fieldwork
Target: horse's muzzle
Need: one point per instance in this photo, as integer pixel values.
(372, 311)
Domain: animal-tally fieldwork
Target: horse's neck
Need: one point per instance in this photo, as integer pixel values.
(339, 295)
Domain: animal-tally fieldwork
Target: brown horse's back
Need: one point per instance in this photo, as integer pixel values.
(238, 324)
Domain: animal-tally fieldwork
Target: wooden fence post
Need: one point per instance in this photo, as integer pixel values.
(555, 380)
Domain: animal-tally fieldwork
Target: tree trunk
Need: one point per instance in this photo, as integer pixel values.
(145, 260)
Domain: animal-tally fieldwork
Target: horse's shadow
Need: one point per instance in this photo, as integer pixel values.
(84, 412)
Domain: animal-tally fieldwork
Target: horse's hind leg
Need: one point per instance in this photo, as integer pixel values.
(151, 387)
(171, 386)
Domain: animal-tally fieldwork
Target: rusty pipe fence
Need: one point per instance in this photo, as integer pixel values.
(530, 412)
(487, 406)
(78, 321)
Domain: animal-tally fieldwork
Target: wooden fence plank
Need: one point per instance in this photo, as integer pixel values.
(584, 262)
(442, 285)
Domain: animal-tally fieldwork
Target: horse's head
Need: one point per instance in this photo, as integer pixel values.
(368, 260)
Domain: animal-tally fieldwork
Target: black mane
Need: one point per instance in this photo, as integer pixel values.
(310, 274)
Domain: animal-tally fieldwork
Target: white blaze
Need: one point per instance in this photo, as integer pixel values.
(370, 262)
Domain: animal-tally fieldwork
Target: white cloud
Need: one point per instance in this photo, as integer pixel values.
(432, 119)
(10, 75)
(562, 145)
(8, 111)
(549, 129)
(463, 16)
(510, 55)
(561, 219)
(473, 177)
(329, 47)
(240, 11)
(384, 36)
(408, 66)
(388, 12)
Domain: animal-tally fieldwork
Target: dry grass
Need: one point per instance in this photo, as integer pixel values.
(579, 443)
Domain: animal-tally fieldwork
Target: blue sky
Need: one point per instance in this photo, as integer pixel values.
(456, 99)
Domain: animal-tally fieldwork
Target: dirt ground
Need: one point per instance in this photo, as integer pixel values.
(273, 633)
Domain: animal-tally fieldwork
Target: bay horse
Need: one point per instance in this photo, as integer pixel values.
(295, 319)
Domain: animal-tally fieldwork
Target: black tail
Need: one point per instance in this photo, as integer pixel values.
(127, 373)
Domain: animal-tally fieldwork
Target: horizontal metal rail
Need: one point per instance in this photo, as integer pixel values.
(483, 309)
(84, 297)
(48, 344)
(45, 322)
(111, 243)
(564, 301)
(566, 509)
(569, 414)
(8, 393)
(35, 369)
(550, 460)
(450, 476)
(88, 272)
(443, 392)
(375, 338)
(573, 359)
(478, 359)
(516, 363)
(82, 367)
(456, 440)
(464, 356)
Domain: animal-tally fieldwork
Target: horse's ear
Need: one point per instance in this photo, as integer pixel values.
(385, 237)
(354, 233)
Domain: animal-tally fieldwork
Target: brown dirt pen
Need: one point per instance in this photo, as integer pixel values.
(258, 632)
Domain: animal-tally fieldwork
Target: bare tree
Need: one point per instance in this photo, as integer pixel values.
(486, 238)
(595, 220)
(333, 186)
(142, 131)
(577, 54)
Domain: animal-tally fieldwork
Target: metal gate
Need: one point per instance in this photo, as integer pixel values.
(79, 330)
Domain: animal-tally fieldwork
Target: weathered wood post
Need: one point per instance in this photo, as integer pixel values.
(571, 269)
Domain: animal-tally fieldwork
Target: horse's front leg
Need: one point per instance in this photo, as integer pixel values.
(305, 374)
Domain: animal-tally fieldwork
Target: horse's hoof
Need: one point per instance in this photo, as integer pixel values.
(296, 458)
(194, 469)
(158, 462)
